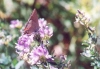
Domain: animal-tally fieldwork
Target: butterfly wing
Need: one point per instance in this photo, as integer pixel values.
(32, 23)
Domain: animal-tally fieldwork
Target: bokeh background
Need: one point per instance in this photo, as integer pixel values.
(60, 14)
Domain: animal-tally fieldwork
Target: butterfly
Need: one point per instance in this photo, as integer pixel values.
(32, 23)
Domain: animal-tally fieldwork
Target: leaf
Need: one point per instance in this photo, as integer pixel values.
(5, 60)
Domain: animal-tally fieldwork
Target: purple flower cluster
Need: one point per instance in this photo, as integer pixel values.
(23, 45)
(33, 51)
(27, 47)
(15, 24)
(45, 31)
(38, 52)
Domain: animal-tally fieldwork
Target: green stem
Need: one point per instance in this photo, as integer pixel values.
(48, 65)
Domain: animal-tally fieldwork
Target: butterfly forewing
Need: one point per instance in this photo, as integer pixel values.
(32, 23)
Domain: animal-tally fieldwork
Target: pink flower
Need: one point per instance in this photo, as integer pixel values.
(45, 31)
(24, 42)
(15, 24)
(37, 52)
(52, 67)
(42, 22)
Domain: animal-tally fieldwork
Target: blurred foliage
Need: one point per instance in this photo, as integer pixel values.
(61, 16)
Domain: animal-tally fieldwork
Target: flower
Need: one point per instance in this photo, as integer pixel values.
(32, 50)
(52, 67)
(38, 52)
(16, 24)
(24, 42)
(87, 53)
(45, 31)
(63, 57)
(42, 22)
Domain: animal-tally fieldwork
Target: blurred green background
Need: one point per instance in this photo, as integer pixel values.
(61, 16)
